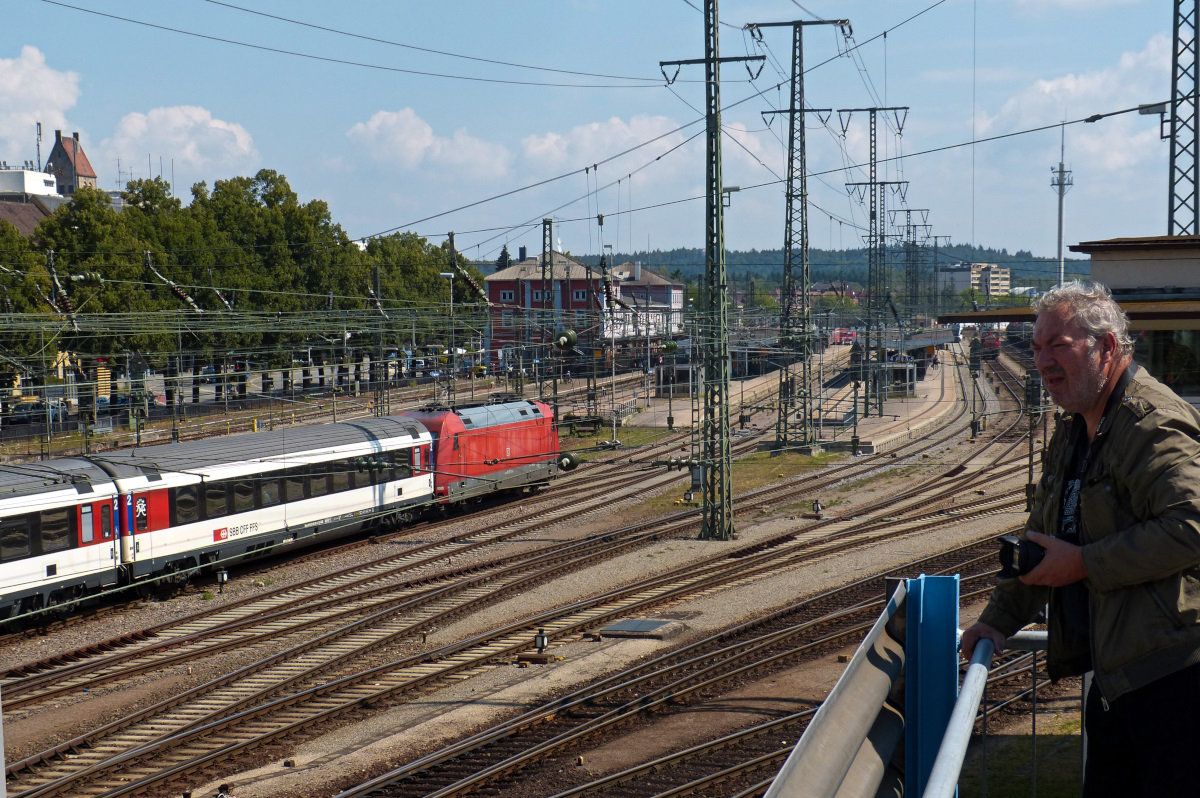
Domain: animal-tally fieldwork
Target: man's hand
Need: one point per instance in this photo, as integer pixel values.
(980, 631)
(1063, 564)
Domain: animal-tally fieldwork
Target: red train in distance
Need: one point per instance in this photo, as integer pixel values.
(479, 450)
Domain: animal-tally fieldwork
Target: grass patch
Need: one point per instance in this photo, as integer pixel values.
(1010, 764)
(207, 595)
(760, 468)
(630, 438)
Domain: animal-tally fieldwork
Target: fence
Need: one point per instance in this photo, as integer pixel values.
(896, 722)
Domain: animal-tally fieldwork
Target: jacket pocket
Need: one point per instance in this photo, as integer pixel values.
(1167, 609)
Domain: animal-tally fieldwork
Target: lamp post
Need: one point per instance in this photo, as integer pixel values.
(450, 360)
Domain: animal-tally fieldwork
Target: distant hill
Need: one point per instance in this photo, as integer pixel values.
(851, 265)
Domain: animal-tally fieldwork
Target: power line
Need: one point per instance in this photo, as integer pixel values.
(655, 79)
(342, 61)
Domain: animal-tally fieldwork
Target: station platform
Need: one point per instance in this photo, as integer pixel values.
(902, 418)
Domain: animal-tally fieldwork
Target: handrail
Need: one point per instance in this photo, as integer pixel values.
(946, 767)
(832, 742)
(943, 780)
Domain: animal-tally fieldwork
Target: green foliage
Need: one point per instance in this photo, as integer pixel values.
(246, 242)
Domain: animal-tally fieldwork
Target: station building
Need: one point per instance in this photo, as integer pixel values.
(1156, 281)
(531, 301)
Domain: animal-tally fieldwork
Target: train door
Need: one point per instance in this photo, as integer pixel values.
(107, 534)
(142, 542)
(88, 536)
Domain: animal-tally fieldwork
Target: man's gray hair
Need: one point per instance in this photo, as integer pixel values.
(1090, 307)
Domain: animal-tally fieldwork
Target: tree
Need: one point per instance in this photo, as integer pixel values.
(505, 260)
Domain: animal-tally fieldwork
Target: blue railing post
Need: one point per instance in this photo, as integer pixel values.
(931, 673)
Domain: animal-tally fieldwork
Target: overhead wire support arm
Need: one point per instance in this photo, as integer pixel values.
(761, 59)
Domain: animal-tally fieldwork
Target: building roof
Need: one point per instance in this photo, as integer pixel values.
(1139, 243)
(79, 159)
(531, 269)
(24, 216)
(625, 274)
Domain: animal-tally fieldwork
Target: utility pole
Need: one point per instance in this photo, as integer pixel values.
(912, 256)
(1061, 181)
(450, 361)
(879, 281)
(793, 425)
(1184, 209)
(715, 464)
(547, 266)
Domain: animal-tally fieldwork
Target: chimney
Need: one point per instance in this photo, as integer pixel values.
(637, 271)
(522, 253)
(58, 137)
(75, 135)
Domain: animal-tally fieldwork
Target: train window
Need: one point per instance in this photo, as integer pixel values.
(185, 505)
(318, 480)
(294, 487)
(106, 520)
(404, 464)
(56, 529)
(243, 496)
(14, 537)
(341, 476)
(268, 492)
(87, 529)
(214, 500)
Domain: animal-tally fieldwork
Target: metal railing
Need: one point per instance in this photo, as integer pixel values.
(901, 684)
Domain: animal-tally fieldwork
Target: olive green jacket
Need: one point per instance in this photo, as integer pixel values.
(1139, 512)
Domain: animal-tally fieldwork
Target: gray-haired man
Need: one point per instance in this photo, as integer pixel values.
(1118, 512)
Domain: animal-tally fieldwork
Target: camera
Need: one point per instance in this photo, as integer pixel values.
(1018, 556)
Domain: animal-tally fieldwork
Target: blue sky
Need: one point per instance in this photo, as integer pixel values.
(388, 148)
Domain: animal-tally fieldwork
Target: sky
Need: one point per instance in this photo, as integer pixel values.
(484, 117)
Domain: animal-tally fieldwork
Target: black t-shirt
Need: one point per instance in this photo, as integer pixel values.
(1074, 597)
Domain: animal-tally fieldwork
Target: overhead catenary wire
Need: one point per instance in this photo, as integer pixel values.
(446, 53)
(344, 61)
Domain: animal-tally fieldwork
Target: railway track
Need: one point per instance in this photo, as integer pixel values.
(267, 715)
(197, 745)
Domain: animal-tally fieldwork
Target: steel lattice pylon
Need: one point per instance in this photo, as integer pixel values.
(797, 340)
(1184, 210)
(716, 460)
(713, 316)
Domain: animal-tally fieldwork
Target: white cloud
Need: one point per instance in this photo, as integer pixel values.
(31, 92)
(586, 144)
(196, 141)
(407, 140)
(1137, 77)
